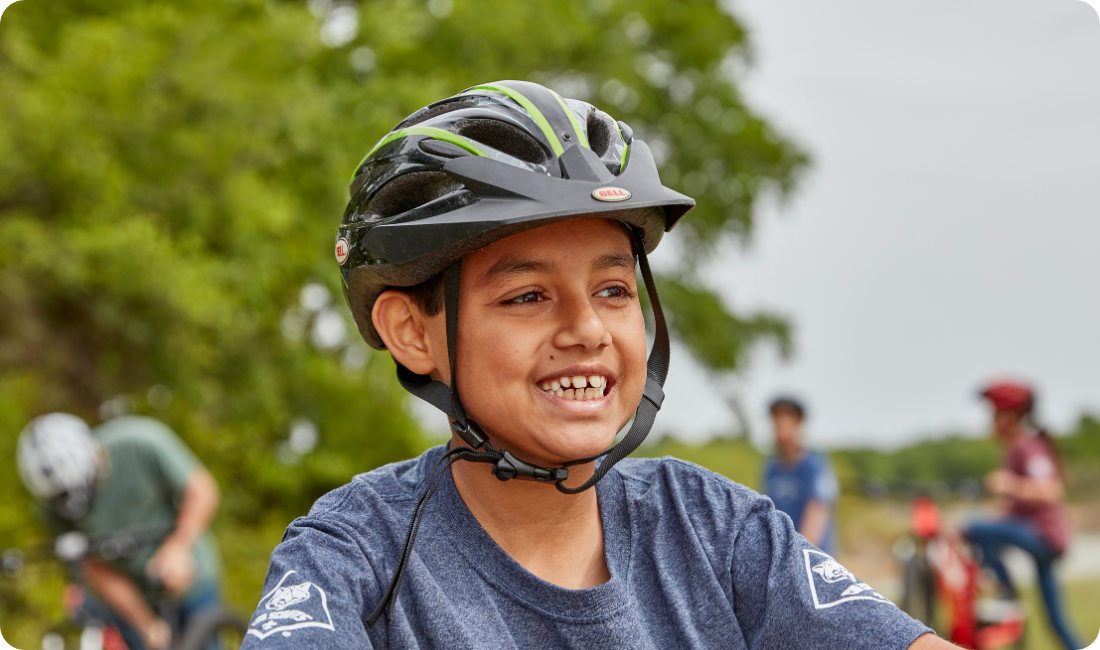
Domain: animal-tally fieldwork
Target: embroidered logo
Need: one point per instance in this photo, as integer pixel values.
(831, 584)
(291, 607)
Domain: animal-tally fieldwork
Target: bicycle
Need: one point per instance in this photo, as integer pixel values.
(942, 569)
(71, 549)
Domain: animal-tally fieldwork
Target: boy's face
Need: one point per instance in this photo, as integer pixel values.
(788, 429)
(560, 301)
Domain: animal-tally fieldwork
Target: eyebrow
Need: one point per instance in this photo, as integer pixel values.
(513, 266)
(614, 261)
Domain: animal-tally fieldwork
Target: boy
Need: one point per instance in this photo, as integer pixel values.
(801, 483)
(491, 238)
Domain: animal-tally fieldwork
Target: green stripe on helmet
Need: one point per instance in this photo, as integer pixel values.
(626, 146)
(536, 114)
(438, 134)
(581, 137)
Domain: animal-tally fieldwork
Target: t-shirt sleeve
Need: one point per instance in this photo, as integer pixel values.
(823, 483)
(788, 594)
(316, 593)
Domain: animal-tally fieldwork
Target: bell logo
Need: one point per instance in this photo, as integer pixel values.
(610, 194)
(341, 250)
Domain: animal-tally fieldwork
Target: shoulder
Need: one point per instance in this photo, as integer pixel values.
(134, 429)
(661, 482)
(372, 501)
(818, 460)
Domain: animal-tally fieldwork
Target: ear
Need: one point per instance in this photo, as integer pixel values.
(407, 333)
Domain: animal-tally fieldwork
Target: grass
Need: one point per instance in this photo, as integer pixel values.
(1083, 601)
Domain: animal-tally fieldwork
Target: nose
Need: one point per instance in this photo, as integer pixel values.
(581, 326)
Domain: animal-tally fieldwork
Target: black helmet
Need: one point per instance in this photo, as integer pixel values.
(493, 161)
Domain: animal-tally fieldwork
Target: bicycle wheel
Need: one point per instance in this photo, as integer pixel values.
(918, 598)
(214, 629)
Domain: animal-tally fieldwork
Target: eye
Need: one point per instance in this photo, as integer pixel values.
(530, 296)
(617, 291)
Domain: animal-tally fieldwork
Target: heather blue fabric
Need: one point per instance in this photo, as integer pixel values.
(696, 561)
(792, 486)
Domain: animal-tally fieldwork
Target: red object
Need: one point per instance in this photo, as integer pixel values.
(112, 640)
(925, 518)
(957, 573)
(1009, 396)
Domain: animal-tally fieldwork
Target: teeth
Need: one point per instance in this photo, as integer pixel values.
(578, 388)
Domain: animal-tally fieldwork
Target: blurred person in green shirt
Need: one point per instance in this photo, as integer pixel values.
(130, 475)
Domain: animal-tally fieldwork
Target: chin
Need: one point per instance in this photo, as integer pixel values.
(573, 442)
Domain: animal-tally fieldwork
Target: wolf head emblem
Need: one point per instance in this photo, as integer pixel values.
(290, 595)
(831, 571)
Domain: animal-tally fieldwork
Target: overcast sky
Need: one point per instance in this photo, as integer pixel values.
(949, 230)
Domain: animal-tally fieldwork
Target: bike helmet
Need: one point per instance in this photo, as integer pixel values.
(492, 161)
(1010, 396)
(58, 460)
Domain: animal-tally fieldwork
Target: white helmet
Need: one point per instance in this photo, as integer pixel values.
(58, 461)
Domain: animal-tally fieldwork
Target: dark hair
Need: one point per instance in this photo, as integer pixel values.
(787, 404)
(427, 296)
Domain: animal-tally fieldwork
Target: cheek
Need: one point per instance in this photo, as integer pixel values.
(499, 367)
(630, 339)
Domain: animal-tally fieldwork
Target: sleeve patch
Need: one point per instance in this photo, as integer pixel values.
(290, 607)
(831, 584)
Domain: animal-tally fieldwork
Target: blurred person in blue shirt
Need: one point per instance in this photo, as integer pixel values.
(800, 482)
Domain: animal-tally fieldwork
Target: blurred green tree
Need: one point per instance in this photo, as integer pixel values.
(171, 175)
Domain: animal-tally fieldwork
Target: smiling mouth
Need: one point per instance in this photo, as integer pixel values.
(579, 388)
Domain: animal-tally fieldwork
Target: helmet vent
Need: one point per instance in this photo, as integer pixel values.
(435, 110)
(599, 133)
(503, 137)
(409, 191)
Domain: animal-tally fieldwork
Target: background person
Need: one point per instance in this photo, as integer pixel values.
(131, 474)
(800, 482)
(1030, 482)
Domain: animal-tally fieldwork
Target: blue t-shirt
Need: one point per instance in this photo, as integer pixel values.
(791, 487)
(696, 561)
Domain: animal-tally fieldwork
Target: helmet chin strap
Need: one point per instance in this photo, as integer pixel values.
(505, 465)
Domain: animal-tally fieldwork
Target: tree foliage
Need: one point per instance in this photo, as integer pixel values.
(172, 174)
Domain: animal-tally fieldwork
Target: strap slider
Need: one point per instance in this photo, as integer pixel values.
(654, 392)
(469, 432)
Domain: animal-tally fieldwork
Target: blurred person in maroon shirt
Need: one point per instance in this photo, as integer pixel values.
(1031, 485)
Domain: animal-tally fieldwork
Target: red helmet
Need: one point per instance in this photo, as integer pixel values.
(1010, 396)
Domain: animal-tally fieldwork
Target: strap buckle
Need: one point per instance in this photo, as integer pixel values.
(509, 467)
